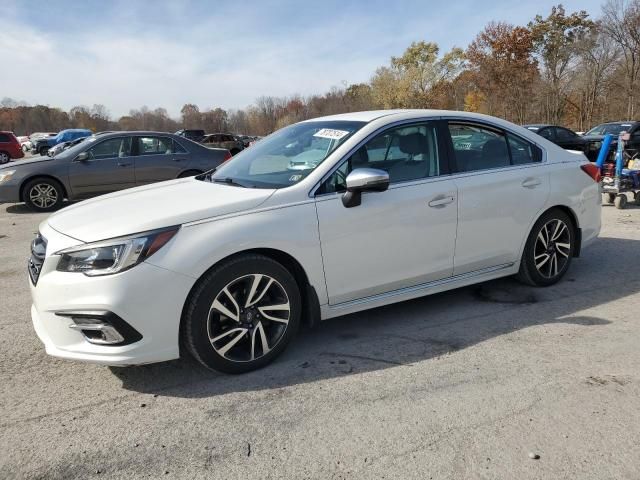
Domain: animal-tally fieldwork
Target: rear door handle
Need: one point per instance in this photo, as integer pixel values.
(531, 182)
(179, 159)
(441, 201)
(124, 164)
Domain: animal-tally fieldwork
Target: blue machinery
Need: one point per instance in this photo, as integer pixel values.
(619, 180)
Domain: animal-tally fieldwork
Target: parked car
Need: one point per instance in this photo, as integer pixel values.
(223, 140)
(564, 137)
(228, 264)
(103, 164)
(10, 147)
(43, 145)
(192, 134)
(56, 149)
(595, 136)
(25, 143)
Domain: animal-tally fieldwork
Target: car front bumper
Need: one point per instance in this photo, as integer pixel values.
(148, 298)
(9, 192)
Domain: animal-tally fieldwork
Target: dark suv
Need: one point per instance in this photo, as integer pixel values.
(193, 134)
(223, 140)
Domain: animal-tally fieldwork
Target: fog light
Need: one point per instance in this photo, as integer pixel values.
(97, 332)
(102, 327)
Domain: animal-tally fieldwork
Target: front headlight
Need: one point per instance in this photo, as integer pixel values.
(115, 255)
(5, 175)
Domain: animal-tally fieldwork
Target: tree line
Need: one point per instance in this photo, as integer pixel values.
(565, 68)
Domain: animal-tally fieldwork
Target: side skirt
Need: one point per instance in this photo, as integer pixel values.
(409, 293)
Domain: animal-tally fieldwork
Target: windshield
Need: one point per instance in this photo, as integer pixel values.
(612, 128)
(287, 156)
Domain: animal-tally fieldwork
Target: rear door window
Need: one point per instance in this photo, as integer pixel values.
(478, 148)
(155, 146)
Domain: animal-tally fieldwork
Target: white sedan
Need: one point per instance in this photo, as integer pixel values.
(392, 205)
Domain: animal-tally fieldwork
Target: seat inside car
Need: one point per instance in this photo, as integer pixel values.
(494, 155)
(418, 148)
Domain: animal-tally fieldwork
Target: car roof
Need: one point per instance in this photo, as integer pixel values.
(408, 114)
(539, 125)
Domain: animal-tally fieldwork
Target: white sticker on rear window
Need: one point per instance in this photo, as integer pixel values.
(331, 133)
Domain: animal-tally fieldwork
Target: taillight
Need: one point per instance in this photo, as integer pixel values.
(592, 170)
(227, 156)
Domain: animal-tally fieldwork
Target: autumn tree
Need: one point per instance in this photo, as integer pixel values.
(502, 58)
(556, 41)
(191, 116)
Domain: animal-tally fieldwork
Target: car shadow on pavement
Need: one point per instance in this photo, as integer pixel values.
(403, 334)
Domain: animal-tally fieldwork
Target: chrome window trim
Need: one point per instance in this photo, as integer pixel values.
(312, 192)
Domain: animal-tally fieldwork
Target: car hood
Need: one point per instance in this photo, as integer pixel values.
(21, 162)
(153, 206)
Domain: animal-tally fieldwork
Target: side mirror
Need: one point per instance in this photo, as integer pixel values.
(364, 180)
(82, 157)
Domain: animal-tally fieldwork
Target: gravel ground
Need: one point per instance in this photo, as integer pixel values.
(467, 384)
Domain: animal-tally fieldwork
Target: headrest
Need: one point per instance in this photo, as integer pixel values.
(413, 144)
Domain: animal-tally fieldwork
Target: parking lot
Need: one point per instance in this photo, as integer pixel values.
(466, 384)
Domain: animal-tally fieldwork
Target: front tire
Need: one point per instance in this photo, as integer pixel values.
(549, 250)
(4, 158)
(43, 194)
(242, 314)
(43, 151)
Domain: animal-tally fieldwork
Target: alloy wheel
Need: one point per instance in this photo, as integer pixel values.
(4, 158)
(552, 248)
(43, 195)
(248, 317)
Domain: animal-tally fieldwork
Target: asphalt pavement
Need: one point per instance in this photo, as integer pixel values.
(495, 381)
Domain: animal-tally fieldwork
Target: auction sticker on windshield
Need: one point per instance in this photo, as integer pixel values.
(331, 133)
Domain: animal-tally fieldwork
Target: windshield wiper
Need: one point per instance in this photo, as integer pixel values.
(228, 181)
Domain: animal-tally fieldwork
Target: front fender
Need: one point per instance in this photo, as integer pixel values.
(291, 229)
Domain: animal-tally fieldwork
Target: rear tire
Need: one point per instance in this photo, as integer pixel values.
(43, 151)
(43, 194)
(549, 250)
(621, 201)
(242, 314)
(610, 197)
(4, 158)
(637, 198)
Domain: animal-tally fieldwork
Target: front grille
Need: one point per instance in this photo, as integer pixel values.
(38, 251)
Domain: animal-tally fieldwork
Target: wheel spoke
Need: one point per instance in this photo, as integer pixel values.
(263, 340)
(563, 246)
(560, 228)
(554, 264)
(254, 287)
(542, 239)
(217, 305)
(275, 308)
(544, 260)
(239, 333)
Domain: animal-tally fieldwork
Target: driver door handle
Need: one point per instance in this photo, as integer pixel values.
(441, 201)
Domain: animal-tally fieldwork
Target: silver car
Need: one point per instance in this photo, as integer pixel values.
(102, 164)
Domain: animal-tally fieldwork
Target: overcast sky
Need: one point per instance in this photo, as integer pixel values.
(129, 53)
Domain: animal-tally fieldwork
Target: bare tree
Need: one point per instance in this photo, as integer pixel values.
(621, 22)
